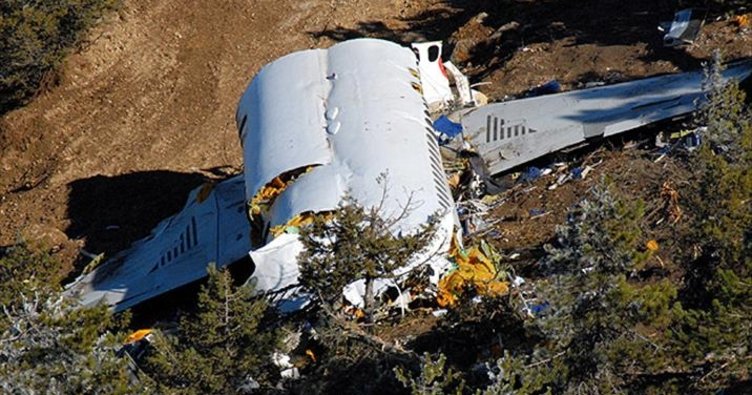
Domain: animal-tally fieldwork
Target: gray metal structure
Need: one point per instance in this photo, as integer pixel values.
(508, 134)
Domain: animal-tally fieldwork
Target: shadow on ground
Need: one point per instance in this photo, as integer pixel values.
(110, 213)
(598, 22)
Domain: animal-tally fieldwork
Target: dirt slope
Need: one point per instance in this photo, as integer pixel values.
(146, 111)
(154, 94)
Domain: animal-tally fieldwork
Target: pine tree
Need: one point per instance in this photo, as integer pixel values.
(49, 344)
(35, 37)
(53, 347)
(596, 331)
(23, 271)
(714, 336)
(434, 378)
(356, 244)
(220, 348)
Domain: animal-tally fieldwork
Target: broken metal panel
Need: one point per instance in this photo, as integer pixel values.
(373, 121)
(684, 29)
(232, 237)
(462, 84)
(281, 115)
(385, 130)
(511, 133)
(212, 227)
(277, 263)
(434, 255)
(433, 78)
(319, 190)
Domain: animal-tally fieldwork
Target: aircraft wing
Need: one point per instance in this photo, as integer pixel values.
(512, 133)
(211, 228)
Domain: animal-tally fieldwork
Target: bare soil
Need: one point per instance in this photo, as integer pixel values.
(145, 112)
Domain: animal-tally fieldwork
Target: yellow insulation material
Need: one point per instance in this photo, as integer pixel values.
(263, 200)
(137, 335)
(474, 269)
(267, 194)
(743, 21)
(299, 221)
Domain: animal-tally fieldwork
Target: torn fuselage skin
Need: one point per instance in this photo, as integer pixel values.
(262, 201)
(353, 114)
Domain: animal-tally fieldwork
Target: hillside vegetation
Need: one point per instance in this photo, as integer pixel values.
(627, 290)
(35, 37)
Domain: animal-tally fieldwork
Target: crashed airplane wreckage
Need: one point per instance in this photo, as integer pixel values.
(318, 125)
(315, 126)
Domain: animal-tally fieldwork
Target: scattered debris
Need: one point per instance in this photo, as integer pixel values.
(670, 196)
(284, 363)
(518, 281)
(548, 88)
(683, 30)
(473, 215)
(537, 212)
(138, 336)
(473, 268)
(447, 129)
(540, 309)
(531, 174)
(467, 95)
(743, 21)
(580, 173)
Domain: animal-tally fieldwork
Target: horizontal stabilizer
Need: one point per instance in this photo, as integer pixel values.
(511, 133)
(211, 228)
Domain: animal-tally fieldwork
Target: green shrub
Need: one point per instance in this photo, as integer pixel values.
(434, 378)
(23, 271)
(597, 334)
(714, 332)
(47, 343)
(53, 347)
(219, 347)
(356, 244)
(35, 36)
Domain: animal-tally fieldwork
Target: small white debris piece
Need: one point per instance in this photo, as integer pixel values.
(586, 171)
(683, 30)
(463, 85)
(433, 78)
(281, 360)
(291, 373)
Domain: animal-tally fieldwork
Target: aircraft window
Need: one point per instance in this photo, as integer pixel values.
(433, 53)
(242, 126)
